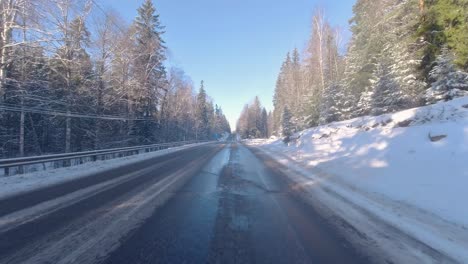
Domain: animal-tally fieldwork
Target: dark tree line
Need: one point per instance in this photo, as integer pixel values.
(75, 77)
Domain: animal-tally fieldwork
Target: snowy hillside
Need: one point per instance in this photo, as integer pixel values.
(415, 159)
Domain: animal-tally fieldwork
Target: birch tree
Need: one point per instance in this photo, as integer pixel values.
(9, 10)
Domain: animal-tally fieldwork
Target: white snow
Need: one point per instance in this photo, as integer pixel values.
(14, 185)
(393, 169)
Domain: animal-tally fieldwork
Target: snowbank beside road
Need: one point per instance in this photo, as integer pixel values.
(31, 181)
(413, 165)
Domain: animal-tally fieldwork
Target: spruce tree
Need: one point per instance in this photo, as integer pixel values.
(202, 116)
(264, 124)
(286, 126)
(386, 96)
(447, 81)
(329, 108)
(148, 69)
(445, 23)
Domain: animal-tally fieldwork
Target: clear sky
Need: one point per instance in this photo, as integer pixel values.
(236, 46)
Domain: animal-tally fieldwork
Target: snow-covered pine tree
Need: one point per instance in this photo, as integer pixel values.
(270, 124)
(202, 116)
(405, 53)
(297, 88)
(406, 73)
(447, 81)
(286, 126)
(371, 26)
(211, 118)
(281, 96)
(386, 96)
(264, 124)
(255, 118)
(329, 108)
(364, 104)
(242, 123)
(348, 98)
(149, 71)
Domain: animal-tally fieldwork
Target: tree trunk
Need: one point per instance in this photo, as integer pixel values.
(36, 139)
(319, 25)
(68, 133)
(3, 60)
(97, 129)
(2, 73)
(21, 135)
(9, 13)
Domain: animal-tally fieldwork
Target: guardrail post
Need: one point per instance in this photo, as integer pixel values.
(7, 171)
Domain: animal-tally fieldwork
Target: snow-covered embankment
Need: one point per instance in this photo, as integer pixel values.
(409, 168)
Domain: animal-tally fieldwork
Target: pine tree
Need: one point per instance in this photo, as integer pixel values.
(447, 81)
(242, 127)
(282, 95)
(402, 52)
(346, 98)
(211, 119)
(329, 109)
(264, 124)
(149, 70)
(286, 126)
(297, 100)
(370, 32)
(255, 118)
(445, 23)
(270, 122)
(386, 96)
(202, 116)
(221, 124)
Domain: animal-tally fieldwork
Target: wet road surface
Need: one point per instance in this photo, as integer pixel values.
(236, 210)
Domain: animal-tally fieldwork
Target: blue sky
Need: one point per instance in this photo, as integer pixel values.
(236, 46)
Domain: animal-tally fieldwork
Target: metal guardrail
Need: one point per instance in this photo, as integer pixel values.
(66, 158)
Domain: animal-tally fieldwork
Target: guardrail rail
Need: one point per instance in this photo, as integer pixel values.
(17, 165)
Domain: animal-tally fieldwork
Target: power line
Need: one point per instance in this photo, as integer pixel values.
(11, 108)
(7, 107)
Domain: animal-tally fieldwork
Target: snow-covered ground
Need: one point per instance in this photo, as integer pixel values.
(14, 185)
(410, 168)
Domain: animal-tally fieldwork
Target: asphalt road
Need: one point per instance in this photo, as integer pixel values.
(210, 204)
